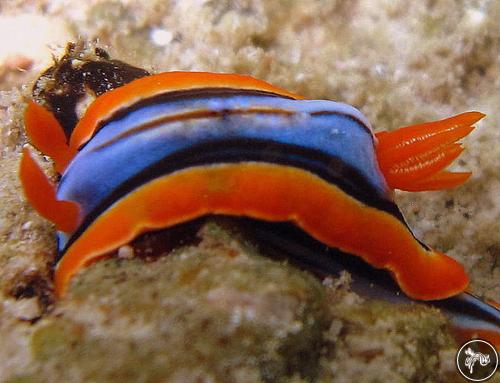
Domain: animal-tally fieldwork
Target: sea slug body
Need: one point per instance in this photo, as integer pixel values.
(175, 146)
(168, 148)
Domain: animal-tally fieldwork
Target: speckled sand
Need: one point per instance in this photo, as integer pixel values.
(201, 316)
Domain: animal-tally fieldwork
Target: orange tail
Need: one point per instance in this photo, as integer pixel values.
(47, 135)
(413, 158)
(41, 193)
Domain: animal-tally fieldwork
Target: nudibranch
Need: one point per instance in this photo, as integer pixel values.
(168, 148)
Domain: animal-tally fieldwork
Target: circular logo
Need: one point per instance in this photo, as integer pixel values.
(477, 360)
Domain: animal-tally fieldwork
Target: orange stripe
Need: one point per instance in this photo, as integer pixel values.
(273, 193)
(47, 135)
(41, 193)
(109, 103)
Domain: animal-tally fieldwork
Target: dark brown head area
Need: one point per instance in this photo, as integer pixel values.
(83, 71)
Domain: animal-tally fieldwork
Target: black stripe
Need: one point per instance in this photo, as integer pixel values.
(345, 115)
(471, 306)
(332, 169)
(176, 95)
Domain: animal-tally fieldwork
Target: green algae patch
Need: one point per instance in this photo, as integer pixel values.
(54, 339)
(68, 352)
(23, 379)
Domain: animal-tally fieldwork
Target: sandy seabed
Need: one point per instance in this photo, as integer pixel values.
(178, 319)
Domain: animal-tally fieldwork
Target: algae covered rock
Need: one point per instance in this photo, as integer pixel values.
(212, 311)
(220, 311)
(380, 342)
